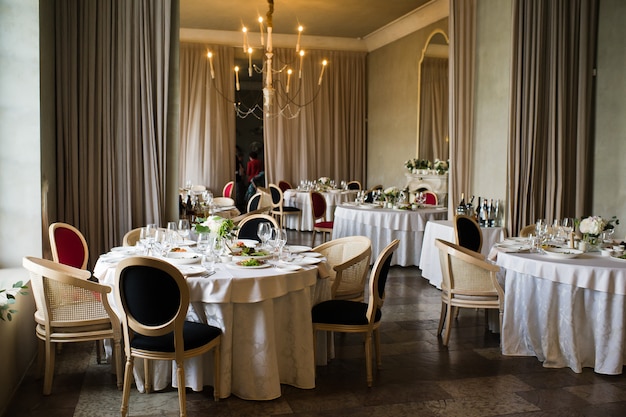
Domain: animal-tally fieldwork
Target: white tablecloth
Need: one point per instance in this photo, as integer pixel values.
(302, 200)
(384, 225)
(265, 316)
(567, 313)
(444, 229)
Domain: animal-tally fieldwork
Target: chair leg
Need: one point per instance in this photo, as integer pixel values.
(41, 357)
(182, 394)
(49, 368)
(313, 238)
(117, 362)
(147, 376)
(368, 358)
(449, 314)
(442, 318)
(379, 359)
(128, 378)
(216, 377)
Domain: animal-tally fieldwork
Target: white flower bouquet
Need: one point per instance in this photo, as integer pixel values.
(215, 225)
(592, 225)
(441, 166)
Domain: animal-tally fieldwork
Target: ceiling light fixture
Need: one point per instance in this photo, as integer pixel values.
(279, 98)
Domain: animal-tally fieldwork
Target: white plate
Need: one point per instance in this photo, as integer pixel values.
(512, 247)
(187, 242)
(562, 253)
(288, 267)
(617, 258)
(299, 249)
(305, 261)
(113, 256)
(312, 254)
(190, 270)
(248, 242)
(234, 265)
(238, 258)
(183, 258)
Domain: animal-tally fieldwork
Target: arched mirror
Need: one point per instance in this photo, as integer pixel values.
(432, 102)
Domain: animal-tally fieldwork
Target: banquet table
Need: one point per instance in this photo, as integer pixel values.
(444, 230)
(383, 225)
(302, 200)
(567, 313)
(265, 317)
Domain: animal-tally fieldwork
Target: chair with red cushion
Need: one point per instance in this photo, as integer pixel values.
(227, 191)
(68, 245)
(430, 198)
(318, 205)
(284, 186)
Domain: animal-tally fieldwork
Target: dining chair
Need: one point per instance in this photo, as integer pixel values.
(280, 210)
(227, 191)
(349, 260)
(527, 230)
(467, 232)
(68, 245)
(153, 297)
(318, 211)
(358, 317)
(369, 194)
(284, 185)
(223, 202)
(469, 281)
(70, 309)
(248, 226)
(430, 198)
(354, 185)
(132, 237)
(259, 204)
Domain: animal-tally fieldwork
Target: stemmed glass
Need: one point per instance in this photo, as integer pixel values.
(183, 228)
(420, 198)
(150, 234)
(541, 229)
(280, 239)
(264, 232)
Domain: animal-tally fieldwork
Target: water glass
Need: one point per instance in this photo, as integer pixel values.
(264, 232)
(183, 228)
(208, 262)
(203, 243)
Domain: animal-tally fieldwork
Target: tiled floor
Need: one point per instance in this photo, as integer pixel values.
(420, 377)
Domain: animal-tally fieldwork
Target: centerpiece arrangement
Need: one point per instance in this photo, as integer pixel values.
(215, 225)
(593, 226)
(426, 167)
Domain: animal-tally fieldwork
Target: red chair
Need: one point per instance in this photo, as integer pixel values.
(284, 186)
(227, 191)
(318, 204)
(68, 245)
(431, 198)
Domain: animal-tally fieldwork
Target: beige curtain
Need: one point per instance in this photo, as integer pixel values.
(434, 97)
(327, 138)
(550, 157)
(207, 117)
(462, 51)
(112, 75)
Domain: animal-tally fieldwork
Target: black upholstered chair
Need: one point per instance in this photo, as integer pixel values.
(359, 317)
(280, 210)
(153, 297)
(248, 227)
(467, 232)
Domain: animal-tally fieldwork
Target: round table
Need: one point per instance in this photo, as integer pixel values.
(302, 200)
(383, 225)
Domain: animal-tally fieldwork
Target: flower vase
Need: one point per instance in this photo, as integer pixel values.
(592, 242)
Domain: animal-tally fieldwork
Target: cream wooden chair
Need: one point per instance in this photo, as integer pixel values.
(358, 317)
(354, 185)
(153, 297)
(468, 281)
(349, 261)
(280, 210)
(68, 245)
(527, 230)
(247, 227)
(132, 237)
(70, 309)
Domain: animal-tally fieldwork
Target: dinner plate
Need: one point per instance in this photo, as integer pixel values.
(288, 267)
(191, 270)
(562, 253)
(248, 242)
(299, 249)
(312, 254)
(237, 266)
(621, 258)
(182, 258)
(305, 261)
(113, 256)
(238, 258)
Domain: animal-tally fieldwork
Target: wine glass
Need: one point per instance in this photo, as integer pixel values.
(183, 228)
(280, 239)
(264, 232)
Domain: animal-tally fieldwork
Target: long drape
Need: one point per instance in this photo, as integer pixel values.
(327, 138)
(207, 116)
(462, 57)
(550, 152)
(433, 133)
(112, 74)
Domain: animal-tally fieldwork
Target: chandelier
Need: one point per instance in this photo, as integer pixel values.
(282, 85)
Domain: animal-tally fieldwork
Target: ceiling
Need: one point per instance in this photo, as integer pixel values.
(353, 19)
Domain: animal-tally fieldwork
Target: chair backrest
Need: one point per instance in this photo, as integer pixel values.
(132, 237)
(378, 280)
(349, 260)
(277, 195)
(354, 185)
(467, 232)
(64, 295)
(153, 297)
(466, 272)
(68, 245)
(254, 202)
(197, 189)
(284, 186)
(248, 226)
(430, 197)
(527, 230)
(318, 205)
(227, 191)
